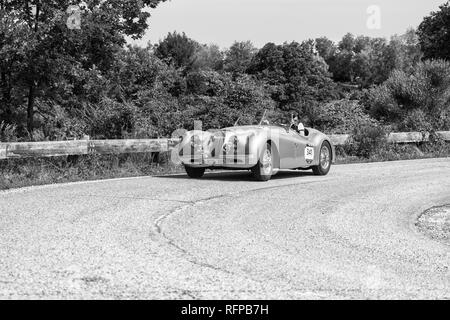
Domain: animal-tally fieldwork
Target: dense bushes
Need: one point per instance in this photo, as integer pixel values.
(7, 132)
(367, 140)
(366, 61)
(298, 77)
(338, 117)
(414, 100)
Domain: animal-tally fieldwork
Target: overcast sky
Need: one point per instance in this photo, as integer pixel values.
(261, 21)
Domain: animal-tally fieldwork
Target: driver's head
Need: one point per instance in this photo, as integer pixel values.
(295, 119)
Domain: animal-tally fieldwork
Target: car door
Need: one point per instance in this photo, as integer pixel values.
(292, 149)
(303, 152)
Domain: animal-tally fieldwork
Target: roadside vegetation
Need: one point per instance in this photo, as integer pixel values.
(60, 84)
(40, 171)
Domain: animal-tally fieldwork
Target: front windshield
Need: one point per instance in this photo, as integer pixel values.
(264, 118)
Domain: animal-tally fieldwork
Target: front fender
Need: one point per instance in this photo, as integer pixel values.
(261, 139)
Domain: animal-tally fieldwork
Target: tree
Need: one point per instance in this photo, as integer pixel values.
(380, 62)
(347, 43)
(365, 61)
(269, 64)
(404, 51)
(418, 99)
(343, 68)
(351, 61)
(339, 116)
(138, 69)
(340, 58)
(326, 48)
(239, 57)
(208, 57)
(13, 41)
(299, 78)
(49, 49)
(361, 43)
(178, 50)
(219, 99)
(434, 34)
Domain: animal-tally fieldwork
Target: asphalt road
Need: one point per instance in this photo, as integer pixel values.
(350, 234)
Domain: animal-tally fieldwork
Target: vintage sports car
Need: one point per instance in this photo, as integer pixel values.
(262, 148)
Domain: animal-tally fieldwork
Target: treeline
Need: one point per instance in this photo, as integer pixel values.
(59, 83)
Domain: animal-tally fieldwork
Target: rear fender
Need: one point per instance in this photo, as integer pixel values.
(316, 139)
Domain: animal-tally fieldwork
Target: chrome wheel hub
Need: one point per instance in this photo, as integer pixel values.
(325, 157)
(267, 162)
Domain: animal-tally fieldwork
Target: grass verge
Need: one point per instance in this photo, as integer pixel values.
(18, 173)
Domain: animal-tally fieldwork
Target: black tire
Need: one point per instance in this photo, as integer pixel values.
(325, 157)
(263, 170)
(195, 173)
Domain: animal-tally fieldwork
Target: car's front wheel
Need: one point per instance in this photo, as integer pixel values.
(195, 173)
(263, 170)
(324, 160)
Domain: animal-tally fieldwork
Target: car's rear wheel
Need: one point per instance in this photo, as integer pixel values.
(195, 173)
(264, 170)
(325, 158)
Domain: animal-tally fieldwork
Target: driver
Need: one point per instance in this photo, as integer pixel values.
(297, 126)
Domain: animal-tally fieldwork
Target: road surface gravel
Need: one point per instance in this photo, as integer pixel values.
(349, 235)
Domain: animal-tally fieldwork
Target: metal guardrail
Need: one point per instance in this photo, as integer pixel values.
(396, 137)
(14, 150)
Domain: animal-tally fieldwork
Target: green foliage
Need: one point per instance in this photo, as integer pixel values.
(111, 120)
(8, 132)
(367, 140)
(424, 92)
(40, 52)
(56, 123)
(338, 117)
(434, 34)
(416, 121)
(158, 114)
(37, 171)
(239, 57)
(137, 69)
(207, 83)
(405, 50)
(297, 76)
(218, 100)
(178, 50)
(208, 57)
(366, 61)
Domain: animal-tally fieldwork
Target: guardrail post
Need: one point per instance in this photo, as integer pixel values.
(155, 156)
(3, 149)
